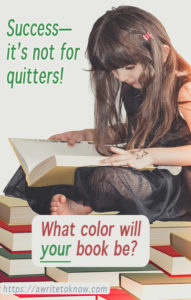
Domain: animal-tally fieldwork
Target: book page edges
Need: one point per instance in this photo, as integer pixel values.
(54, 171)
(166, 224)
(17, 155)
(55, 176)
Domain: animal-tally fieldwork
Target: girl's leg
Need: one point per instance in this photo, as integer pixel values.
(60, 205)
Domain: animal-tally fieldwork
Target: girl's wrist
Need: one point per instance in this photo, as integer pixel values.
(161, 156)
(153, 154)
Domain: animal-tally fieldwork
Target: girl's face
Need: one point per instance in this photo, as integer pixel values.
(129, 74)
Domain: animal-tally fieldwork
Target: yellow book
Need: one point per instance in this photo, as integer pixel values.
(12, 202)
(182, 243)
(15, 211)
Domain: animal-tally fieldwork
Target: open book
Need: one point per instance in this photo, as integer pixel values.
(48, 162)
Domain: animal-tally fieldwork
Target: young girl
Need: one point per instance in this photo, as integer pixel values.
(134, 64)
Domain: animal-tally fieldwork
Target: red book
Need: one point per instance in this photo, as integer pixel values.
(170, 261)
(25, 251)
(15, 228)
(15, 238)
(117, 294)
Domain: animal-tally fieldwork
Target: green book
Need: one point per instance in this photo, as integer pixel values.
(11, 255)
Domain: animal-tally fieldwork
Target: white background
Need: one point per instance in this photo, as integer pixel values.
(39, 111)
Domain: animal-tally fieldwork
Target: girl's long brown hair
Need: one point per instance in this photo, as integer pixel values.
(116, 40)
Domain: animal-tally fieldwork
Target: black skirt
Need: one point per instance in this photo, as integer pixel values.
(157, 194)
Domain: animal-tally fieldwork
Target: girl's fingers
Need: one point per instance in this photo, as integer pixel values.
(118, 150)
(58, 137)
(71, 142)
(53, 137)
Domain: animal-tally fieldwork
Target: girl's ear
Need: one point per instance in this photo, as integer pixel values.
(165, 50)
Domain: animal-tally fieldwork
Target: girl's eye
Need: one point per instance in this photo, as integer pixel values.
(129, 67)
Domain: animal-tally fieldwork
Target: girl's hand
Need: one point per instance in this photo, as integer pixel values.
(138, 158)
(74, 136)
(70, 136)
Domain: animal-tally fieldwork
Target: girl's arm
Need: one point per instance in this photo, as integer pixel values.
(176, 156)
(144, 158)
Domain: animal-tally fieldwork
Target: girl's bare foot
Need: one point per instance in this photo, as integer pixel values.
(60, 205)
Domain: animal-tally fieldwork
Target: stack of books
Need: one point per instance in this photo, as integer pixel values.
(171, 255)
(167, 276)
(15, 251)
(16, 242)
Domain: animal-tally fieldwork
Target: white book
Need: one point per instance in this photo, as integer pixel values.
(48, 162)
(16, 241)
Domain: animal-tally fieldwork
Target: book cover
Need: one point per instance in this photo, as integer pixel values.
(45, 90)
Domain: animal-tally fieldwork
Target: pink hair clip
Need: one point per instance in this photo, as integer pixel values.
(147, 36)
